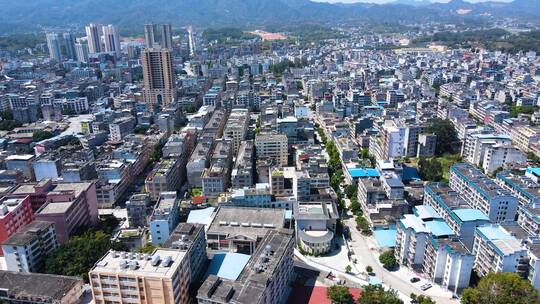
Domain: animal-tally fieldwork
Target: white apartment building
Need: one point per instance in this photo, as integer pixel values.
(476, 145)
(449, 263)
(272, 146)
(426, 243)
(497, 250)
(502, 156)
(524, 136)
(482, 193)
(390, 143)
(164, 218)
(26, 250)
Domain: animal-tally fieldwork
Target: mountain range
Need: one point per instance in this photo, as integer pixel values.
(28, 15)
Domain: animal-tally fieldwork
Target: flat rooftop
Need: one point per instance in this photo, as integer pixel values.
(111, 263)
(249, 222)
(55, 208)
(30, 285)
(486, 186)
(501, 239)
(27, 233)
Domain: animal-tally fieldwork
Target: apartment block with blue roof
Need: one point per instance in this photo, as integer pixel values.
(482, 193)
(425, 242)
(527, 189)
(497, 250)
(455, 211)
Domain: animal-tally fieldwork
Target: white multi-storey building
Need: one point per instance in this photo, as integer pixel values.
(497, 250)
(483, 193)
(164, 218)
(25, 251)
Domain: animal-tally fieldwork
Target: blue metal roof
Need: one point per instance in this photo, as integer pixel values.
(439, 228)
(426, 212)
(535, 171)
(363, 172)
(227, 265)
(386, 237)
(469, 215)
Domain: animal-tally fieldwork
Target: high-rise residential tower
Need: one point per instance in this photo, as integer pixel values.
(94, 38)
(158, 35)
(166, 36)
(112, 39)
(82, 52)
(150, 33)
(69, 43)
(159, 86)
(54, 47)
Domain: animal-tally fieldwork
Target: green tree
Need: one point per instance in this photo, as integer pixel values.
(339, 294)
(41, 135)
(421, 299)
(348, 269)
(375, 294)
(388, 259)
(501, 288)
(430, 169)
(351, 190)
(80, 253)
(446, 135)
(9, 125)
(516, 110)
(362, 225)
(355, 206)
(369, 269)
(157, 154)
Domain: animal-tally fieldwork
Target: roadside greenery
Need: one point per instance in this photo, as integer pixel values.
(388, 259)
(421, 299)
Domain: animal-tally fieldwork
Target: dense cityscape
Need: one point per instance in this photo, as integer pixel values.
(395, 163)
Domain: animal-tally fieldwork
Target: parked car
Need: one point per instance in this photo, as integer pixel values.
(425, 287)
(415, 279)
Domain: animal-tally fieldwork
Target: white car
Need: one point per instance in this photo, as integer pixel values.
(425, 287)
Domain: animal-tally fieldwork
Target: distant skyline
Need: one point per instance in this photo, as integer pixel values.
(389, 1)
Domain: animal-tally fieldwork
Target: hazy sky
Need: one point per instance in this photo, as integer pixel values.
(386, 1)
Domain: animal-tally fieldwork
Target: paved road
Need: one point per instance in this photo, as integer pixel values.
(397, 281)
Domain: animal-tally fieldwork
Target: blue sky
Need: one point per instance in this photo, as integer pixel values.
(386, 1)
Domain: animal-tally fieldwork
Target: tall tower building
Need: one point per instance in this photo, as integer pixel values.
(94, 38)
(112, 39)
(158, 35)
(166, 36)
(69, 43)
(82, 52)
(150, 34)
(54, 47)
(159, 86)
